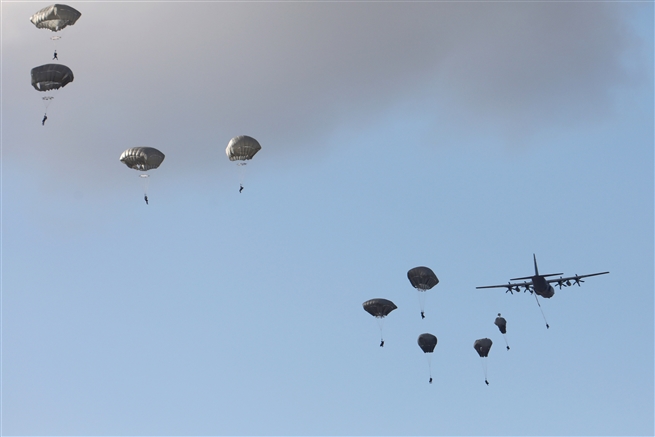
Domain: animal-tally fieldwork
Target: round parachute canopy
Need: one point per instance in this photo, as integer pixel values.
(142, 158)
(55, 17)
(482, 346)
(427, 342)
(51, 77)
(501, 323)
(242, 148)
(422, 278)
(379, 307)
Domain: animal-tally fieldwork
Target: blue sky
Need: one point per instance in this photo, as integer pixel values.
(465, 137)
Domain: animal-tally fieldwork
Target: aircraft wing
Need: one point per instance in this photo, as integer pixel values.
(512, 286)
(570, 280)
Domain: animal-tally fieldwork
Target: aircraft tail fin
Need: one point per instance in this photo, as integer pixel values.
(536, 272)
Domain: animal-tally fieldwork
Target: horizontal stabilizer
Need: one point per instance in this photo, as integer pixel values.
(530, 277)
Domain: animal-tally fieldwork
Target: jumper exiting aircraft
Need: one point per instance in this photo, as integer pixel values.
(540, 285)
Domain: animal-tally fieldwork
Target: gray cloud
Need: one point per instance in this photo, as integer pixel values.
(188, 77)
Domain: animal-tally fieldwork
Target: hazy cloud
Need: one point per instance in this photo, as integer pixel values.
(191, 76)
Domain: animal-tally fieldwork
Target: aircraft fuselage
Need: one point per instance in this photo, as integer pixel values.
(542, 287)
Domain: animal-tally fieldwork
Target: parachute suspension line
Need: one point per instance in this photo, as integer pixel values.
(241, 167)
(542, 312)
(46, 102)
(55, 39)
(421, 302)
(381, 325)
(145, 178)
(428, 356)
(484, 369)
(506, 344)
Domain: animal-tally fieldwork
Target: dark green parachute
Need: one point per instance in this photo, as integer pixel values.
(427, 342)
(379, 307)
(51, 77)
(482, 346)
(142, 158)
(502, 326)
(422, 278)
(55, 17)
(501, 323)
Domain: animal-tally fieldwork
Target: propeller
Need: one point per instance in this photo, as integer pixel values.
(560, 283)
(510, 288)
(577, 279)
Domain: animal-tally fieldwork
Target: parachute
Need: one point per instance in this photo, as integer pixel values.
(242, 148)
(427, 343)
(142, 159)
(51, 77)
(482, 347)
(501, 323)
(55, 17)
(502, 326)
(423, 279)
(379, 308)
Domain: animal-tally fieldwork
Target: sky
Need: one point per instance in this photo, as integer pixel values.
(462, 136)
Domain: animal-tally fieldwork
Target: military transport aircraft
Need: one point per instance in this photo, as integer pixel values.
(539, 284)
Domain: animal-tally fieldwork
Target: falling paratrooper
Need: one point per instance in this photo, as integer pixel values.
(482, 347)
(50, 77)
(423, 279)
(379, 308)
(143, 159)
(242, 148)
(427, 342)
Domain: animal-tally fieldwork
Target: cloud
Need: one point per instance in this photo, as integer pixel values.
(189, 76)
